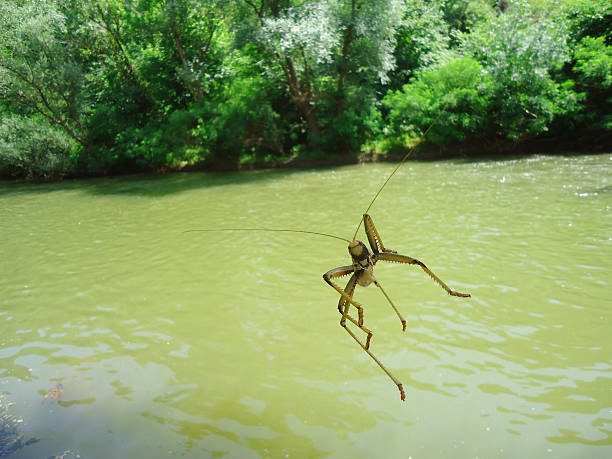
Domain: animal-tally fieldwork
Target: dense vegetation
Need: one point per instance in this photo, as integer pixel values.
(107, 86)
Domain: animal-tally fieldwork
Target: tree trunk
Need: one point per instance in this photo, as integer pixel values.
(302, 97)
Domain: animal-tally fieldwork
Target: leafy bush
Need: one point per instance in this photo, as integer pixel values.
(32, 148)
(593, 66)
(452, 99)
(594, 62)
(520, 50)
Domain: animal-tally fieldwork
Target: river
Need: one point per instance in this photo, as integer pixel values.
(161, 343)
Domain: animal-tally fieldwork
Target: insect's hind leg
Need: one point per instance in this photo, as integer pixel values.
(374, 238)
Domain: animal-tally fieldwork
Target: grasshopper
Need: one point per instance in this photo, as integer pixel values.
(362, 270)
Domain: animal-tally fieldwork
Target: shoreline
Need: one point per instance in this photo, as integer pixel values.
(473, 150)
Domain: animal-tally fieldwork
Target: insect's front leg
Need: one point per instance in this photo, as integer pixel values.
(343, 306)
(396, 257)
(347, 294)
(373, 236)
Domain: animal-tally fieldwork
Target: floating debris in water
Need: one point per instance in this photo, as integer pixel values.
(55, 394)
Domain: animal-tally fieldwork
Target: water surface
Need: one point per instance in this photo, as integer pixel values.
(228, 345)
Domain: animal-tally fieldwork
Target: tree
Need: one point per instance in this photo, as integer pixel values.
(521, 49)
(331, 54)
(37, 71)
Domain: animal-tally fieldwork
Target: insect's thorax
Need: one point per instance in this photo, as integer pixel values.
(363, 262)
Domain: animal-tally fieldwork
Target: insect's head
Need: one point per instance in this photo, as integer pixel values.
(358, 250)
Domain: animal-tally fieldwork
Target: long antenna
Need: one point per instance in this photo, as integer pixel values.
(396, 168)
(266, 229)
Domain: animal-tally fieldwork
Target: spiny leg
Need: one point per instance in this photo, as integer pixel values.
(340, 272)
(350, 289)
(373, 236)
(396, 257)
(344, 305)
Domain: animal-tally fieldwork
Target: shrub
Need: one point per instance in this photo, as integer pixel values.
(32, 148)
(451, 99)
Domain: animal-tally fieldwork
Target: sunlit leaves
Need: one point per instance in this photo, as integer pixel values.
(312, 30)
(593, 64)
(594, 61)
(452, 97)
(32, 147)
(519, 49)
(37, 72)
(41, 87)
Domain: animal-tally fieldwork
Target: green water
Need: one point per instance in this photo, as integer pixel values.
(171, 344)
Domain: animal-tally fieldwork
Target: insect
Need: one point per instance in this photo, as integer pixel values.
(362, 270)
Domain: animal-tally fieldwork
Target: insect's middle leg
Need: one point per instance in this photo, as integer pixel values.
(401, 318)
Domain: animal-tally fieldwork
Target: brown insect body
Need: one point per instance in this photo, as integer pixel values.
(363, 262)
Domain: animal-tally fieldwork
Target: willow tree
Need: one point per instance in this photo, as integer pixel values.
(37, 72)
(42, 102)
(332, 55)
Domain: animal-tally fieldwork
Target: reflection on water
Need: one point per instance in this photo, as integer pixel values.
(228, 344)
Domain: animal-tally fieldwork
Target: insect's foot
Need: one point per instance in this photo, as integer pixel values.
(462, 295)
(367, 344)
(403, 325)
(401, 389)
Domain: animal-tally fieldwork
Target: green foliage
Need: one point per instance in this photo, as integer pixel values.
(594, 62)
(452, 97)
(240, 124)
(520, 49)
(32, 148)
(112, 86)
(331, 56)
(589, 18)
(593, 65)
(37, 72)
(422, 38)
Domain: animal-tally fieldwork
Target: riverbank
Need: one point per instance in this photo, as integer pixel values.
(477, 149)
